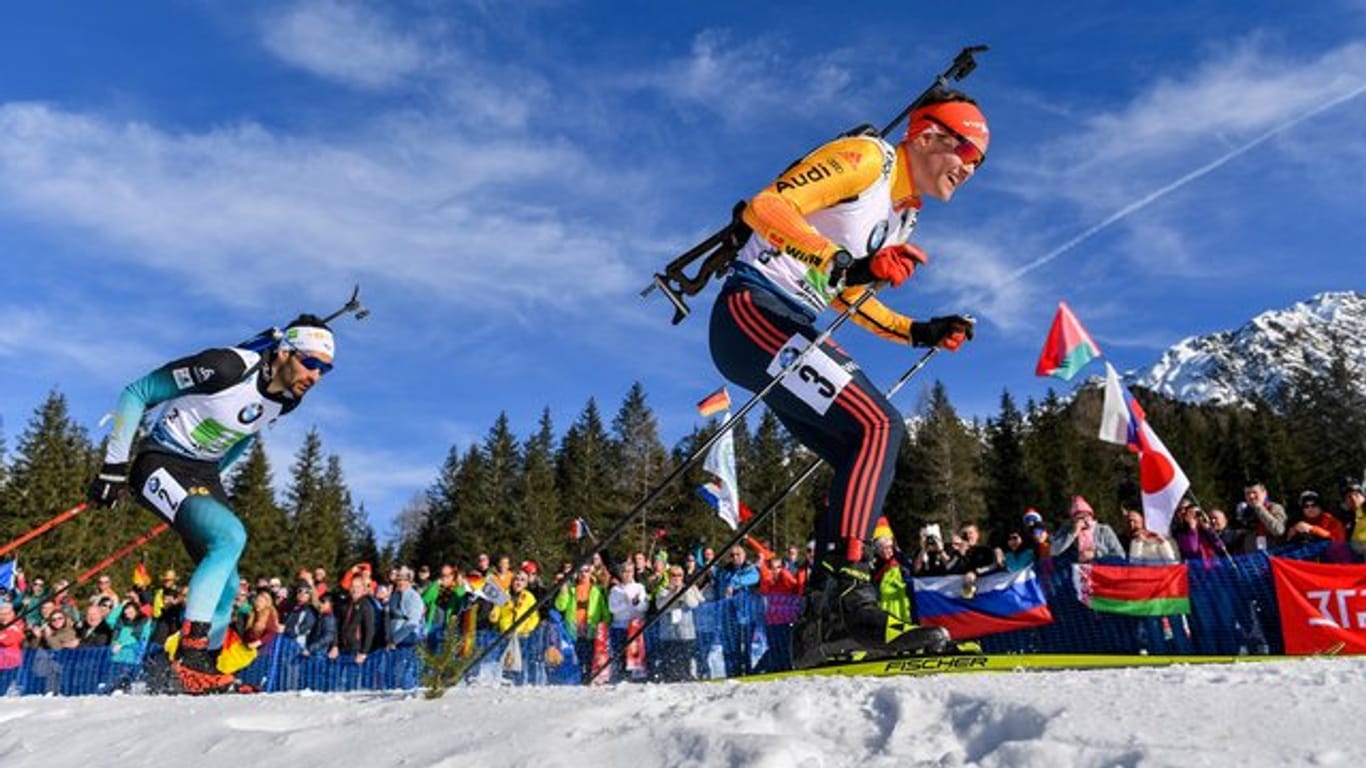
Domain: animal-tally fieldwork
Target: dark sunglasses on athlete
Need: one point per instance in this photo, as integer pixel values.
(968, 152)
(308, 361)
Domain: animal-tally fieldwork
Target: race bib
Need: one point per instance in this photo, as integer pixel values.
(817, 381)
(164, 492)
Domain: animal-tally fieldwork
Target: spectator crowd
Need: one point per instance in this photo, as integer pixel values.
(593, 611)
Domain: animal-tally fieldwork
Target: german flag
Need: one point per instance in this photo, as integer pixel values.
(716, 402)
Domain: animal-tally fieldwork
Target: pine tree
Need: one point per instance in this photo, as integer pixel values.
(270, 544)
(544, 530)
(1326, 416)
(406, 532)
(946, 476)
(640, 459)
(1007, 490)
(436, 541)
(584, 469)
(54, 461)
(501, 517)
(1048, 456)
(768, 470)
(312, 508)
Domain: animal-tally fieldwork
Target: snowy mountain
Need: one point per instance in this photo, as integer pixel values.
(1230, 367)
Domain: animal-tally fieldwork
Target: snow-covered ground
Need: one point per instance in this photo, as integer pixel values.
(1277, 713)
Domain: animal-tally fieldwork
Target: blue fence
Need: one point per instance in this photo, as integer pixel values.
(1233, 611)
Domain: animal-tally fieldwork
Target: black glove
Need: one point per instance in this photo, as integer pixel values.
(109, 485)
(947, 332)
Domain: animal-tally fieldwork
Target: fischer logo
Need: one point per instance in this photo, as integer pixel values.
(1344, 617)
(932, 663)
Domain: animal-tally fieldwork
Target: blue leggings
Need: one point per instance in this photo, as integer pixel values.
(212, 534)
(215, 538)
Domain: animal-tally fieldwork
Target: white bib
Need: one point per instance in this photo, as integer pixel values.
(817, 381)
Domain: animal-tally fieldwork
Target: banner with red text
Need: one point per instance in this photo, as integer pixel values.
(1323, 606)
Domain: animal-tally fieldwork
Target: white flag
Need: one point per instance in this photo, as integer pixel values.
(721, 463)
(1123, 422)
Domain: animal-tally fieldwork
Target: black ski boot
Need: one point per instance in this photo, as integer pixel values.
(842, 622)
(196, 666)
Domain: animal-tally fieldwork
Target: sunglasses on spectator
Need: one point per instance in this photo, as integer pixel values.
(968, 152)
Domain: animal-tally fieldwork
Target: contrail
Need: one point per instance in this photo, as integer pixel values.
(1181, 182)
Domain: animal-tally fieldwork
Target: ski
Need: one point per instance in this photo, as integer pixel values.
(924, 665)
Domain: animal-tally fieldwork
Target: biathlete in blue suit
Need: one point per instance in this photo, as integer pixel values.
(212, 406)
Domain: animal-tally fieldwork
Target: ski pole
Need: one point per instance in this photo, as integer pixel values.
(44, 528)
(687, 463)
(89, 573)
(749, 525)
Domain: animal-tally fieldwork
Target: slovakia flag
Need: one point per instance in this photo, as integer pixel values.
(1002, 602)
(1123, 422)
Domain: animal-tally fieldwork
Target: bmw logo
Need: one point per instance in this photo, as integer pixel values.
(250, 413)
(154, 484)
(877, 237)
(786, 357)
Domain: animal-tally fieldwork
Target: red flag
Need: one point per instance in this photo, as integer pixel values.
(1323, 606)
(1068, 348)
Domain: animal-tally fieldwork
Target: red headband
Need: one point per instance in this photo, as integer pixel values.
(961, 116)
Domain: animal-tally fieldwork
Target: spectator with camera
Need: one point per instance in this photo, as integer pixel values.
(932, 559)
(628, 602)
(1263, 519)
(584, 608)
(1085, 537)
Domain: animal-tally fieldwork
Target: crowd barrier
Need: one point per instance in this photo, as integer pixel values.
(1233, 611)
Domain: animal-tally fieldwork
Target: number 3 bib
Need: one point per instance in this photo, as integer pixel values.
(817, 380)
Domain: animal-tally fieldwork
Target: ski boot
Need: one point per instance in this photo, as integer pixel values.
(196, 666)
(842, 621)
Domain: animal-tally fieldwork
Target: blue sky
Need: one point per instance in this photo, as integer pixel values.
(502, 178)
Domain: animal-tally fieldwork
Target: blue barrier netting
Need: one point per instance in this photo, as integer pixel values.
(1233, 611)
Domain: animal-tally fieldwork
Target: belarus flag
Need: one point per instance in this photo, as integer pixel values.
(1123, 422)
(1140, 590)
(1068, 347)
(1003, 602)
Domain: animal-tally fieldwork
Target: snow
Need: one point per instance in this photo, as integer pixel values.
(1284, 712)
(1230, 367)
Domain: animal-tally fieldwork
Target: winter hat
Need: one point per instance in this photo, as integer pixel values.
(1309, 496)
(1080, 508)
(1032, 517)
(882, 529)
(530, 568)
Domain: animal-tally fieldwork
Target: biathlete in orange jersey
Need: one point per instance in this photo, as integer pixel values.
(832, 224)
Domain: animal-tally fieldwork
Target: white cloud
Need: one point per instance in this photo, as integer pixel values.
(409, 202)
(742, 81)
(344, 42)
(1118, 162)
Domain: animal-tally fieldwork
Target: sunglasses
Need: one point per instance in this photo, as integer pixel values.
(968, 152)
(308, 361)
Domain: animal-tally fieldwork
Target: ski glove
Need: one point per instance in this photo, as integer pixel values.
(109, 485)
(947, 332)
(897, 262)
(893, 263)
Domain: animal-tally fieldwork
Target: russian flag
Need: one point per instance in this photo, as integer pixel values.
(1003, 602)
(578, 528)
